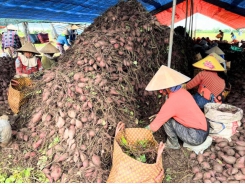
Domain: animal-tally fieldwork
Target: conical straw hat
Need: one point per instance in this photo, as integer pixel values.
(49, 49)
(209, 63)
(28, 47)
(74, 27)
(216, 50)
(220, 59)
(11, 27)
(166, 78)
(65, 32)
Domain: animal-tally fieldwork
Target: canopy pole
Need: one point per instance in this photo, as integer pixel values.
(171, 34)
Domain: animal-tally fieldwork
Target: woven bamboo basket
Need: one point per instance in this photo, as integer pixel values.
(17, 94)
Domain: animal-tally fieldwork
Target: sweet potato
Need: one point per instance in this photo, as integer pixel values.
(71, 132)
(243, 170)
(195, 169)
(240, 148)
(240, 143)
(222, 144)
(228, 159)
(60, 123)
(205, 165)
(221, 178)
(78, 124)
(72, 114)
(206, 175)
(240, 162)
(36, 117)
(55, 172)
(200, 158)
(96, 160)
(198, 176)
(230, 152)
(37, 144)
(218, 140)
(239, 176)
(218, 168)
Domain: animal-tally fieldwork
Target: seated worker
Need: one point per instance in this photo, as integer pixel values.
(27, 62)
(48, 59)
(210, 85)
(179, 115)
(62, 40)
(10, 41)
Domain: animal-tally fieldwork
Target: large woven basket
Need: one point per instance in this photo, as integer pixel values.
(129, 170)
(17, 94)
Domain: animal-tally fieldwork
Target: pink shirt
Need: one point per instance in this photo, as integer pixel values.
(182, 107)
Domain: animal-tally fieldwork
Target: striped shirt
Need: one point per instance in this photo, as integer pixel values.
(210, 79)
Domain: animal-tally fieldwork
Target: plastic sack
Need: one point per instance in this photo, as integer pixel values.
(200, 148)
(235, 48)
(223, 123)
(5, 129)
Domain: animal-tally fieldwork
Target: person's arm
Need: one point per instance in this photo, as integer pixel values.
(66, 42)
(166, 112)
(195, 81)
(18, 66)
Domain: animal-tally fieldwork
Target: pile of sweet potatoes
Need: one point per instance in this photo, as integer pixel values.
(66, 129)
(7, 71)
(223, 162)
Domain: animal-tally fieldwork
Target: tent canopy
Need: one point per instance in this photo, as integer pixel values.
(230, 12)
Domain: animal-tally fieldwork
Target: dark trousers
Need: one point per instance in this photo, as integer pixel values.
(175, 130)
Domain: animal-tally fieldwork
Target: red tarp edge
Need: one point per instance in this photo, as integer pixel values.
(226, 17)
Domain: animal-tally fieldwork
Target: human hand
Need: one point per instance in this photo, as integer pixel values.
(159, 176)
(160, 150)
(152, 117)
(183, 86)
(120, 126)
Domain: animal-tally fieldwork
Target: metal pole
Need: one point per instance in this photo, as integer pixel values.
(171, 34)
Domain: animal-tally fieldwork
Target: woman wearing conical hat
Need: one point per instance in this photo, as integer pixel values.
(73, 33)
(62, 40)
(10, 40)
(48, 59)
(179, 115)
(27, 62)
(210, 85)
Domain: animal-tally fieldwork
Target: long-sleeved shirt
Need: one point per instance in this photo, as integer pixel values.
(182, 107)
(61, 40)
(10, 39)
(210, 79)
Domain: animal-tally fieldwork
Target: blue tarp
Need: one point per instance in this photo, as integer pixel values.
(85, 11)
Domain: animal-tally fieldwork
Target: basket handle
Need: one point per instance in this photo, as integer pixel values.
(120, 127)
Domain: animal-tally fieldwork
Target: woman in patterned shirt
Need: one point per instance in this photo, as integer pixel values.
(10, 40)
(27, 62)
